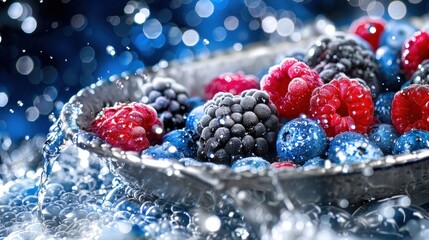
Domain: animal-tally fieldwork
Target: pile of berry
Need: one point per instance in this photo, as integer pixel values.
(355, 96)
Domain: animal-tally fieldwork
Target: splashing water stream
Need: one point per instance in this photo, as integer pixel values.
(51, 151)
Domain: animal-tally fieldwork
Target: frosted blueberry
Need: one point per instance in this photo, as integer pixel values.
(301, 139)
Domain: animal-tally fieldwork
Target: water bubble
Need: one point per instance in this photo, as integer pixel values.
(397, 9)
(231, 23)
(141, 16)
(269, 24)
(25, 65)
(78, 22)
(50, 93)
(29, 25)
(204, 8)
(285, 27)
(180, 218)
(15, 10)
(8, 217)
(87, 54)
(343, 203)
(375, 9)
(212, 223)
(24, 217)
(152, 28)
(190, 37)
(3, 99)
(32, 114)
(368, 171)
(128, 205)
(110, 50)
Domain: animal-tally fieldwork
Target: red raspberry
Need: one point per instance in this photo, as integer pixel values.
(342, 105)
(232, 83)
(414, 51)
(289, 85)
(129, 126)
(410, 108)
(283, 165)
(368, 29)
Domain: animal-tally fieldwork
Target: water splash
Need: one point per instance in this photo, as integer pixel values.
(51, 151)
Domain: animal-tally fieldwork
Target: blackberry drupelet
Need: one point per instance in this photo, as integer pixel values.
(334, 56)
(421, 75)
(170, 100)
(235, 127)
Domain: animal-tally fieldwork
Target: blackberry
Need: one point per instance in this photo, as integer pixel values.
(234, 127)
(170, 100)
(421, 75)
(334, 56)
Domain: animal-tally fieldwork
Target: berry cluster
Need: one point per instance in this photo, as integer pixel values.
(234, 127)
(354, 97)
(170, 100)
(341, 54)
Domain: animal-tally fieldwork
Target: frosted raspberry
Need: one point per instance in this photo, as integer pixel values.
(342, 105)
(289, 85)
(410, 108)
(414, 51)
(232, 83)
(369, 29)
(129, 126)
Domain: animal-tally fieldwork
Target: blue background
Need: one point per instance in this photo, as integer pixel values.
(68, 56)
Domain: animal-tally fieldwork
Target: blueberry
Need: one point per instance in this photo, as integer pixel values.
(164, 151)
(351, 147)
(253, 164)
(193, 118)
(184, 140)
(301, 139)
(383, 107)
(411, 141)
(391, 74)
(421, 75)
(314, 162)
(395, 33)
(384, 135)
